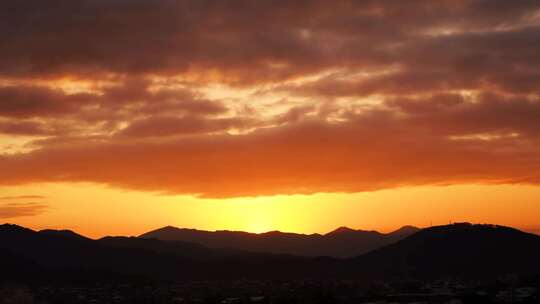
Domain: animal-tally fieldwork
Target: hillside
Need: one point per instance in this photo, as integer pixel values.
(461, 249)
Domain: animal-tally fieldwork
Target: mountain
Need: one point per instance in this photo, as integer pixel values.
(55, 253)
(342, 242)
(404, 231)
(461, 249)
(32, 255)
(63, 233)
(341, 230)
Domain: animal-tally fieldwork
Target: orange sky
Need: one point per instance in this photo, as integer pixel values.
(290, 115)
(97, 211)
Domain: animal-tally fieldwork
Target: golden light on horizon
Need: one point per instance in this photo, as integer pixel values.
(97, 211)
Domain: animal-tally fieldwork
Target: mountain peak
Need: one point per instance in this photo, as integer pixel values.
(169, 227)
(165, 229)
(408, 229)
(342, 229)
(12, 227)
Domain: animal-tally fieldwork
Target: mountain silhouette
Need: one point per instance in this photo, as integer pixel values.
(461, 249)
(458, 250)
(56, 253)
(45, 256)
(342, 242)
(341, 230)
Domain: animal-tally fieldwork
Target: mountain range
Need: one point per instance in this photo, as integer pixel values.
(457, 250)
(342, 242)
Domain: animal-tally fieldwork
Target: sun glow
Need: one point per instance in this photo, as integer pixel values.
(97, 211)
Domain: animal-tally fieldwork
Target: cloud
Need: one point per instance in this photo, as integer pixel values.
(487, 113)
(12, 210)
(491, 61)
(427, 142)
(244, 42)
(17, 128)
(273, 97)
(37, 110)
(26, 101)
(161, 126)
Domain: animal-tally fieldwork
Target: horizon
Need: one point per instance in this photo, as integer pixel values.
(218, 230)
(38, 229)
(117, 117)
(105, 212)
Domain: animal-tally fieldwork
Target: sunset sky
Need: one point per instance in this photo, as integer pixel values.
(122, 116)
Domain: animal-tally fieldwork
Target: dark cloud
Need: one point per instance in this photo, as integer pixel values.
(237, 42)
(23, 128)
(27, 101)
(452, 114)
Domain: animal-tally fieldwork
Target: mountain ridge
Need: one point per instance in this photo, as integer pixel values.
(341, 243)
(457, 250)
(338, 229)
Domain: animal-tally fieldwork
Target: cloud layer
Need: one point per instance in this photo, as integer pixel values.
(270, 97)
(11, 210)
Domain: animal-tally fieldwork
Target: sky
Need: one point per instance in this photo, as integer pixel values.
(122, 116)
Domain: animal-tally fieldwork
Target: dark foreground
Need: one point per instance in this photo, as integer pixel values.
(501, 290)
(460, 263)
